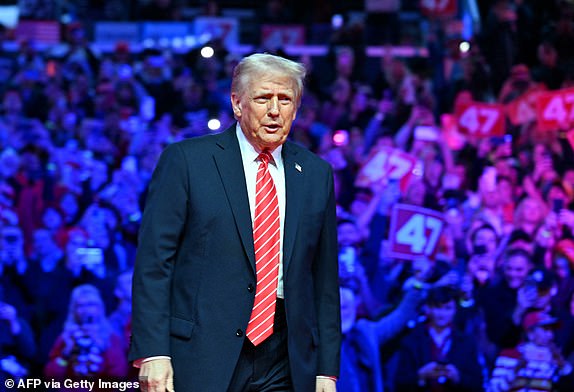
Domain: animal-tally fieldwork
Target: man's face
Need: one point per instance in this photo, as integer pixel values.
(541, 335)
(348, 234)
(506, 192)
(562, 267)
(516, 269)
(490, 198)
(42, 242)
(442, 315)
(481, 267)
(487, 238)
(52, 218)
(11, 243)
(266, 110)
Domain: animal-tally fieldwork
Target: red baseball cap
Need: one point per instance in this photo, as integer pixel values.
(538, 319)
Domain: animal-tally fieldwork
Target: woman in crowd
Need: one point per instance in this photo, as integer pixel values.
(87, 348)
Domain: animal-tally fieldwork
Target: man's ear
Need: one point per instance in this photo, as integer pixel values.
(236, 105)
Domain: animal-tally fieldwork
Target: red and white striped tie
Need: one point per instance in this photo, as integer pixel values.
(266, 237)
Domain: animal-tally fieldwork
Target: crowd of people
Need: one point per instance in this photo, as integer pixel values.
(493, 309)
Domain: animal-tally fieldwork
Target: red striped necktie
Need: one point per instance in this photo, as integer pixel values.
(266, 237)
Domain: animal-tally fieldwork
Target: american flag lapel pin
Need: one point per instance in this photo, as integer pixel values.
(298, 167)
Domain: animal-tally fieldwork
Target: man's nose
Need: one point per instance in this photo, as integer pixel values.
(273, 108)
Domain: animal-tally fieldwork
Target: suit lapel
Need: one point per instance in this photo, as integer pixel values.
(426, 347)
(230, 168)
(294, 176)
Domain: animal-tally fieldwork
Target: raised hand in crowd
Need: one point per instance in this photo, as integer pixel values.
(525, 299)
(9, 314)
(450, 279)
(17, 346)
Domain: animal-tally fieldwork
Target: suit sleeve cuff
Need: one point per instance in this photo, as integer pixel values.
(138, 362)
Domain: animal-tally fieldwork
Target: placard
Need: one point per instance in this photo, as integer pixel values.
(481, 120)
(555, 109)
(45, 32)
(113, 32)
(164, 30)
(278, 36)
(224, 29)
(439, 7)
(522, 110)
(414, 231)
(390, 163)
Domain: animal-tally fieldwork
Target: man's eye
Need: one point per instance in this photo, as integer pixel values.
(261, 99)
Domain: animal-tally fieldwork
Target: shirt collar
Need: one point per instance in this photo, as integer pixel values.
(439, 336)
(249, 153)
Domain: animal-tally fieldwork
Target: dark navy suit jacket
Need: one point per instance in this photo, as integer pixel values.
(195, 266)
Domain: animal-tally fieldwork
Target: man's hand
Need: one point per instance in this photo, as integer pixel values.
(326, 385)
(450, 279)
(430, 371)
(526, 297)
(156, 376)
(451, 372)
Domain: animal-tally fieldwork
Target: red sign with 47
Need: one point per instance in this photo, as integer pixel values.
(415, 231)
(482, 120)
(439, 7)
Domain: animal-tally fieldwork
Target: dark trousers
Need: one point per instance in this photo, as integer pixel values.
(265, 368)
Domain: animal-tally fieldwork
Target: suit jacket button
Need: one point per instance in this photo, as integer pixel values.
(250, 288)
(239, 333)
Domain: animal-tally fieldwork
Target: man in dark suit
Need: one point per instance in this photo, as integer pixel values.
(236, 283)
(436, 356)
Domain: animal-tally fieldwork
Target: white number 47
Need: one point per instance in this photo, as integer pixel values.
(413, 233)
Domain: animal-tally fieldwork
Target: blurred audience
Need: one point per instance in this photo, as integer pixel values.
(81, 131)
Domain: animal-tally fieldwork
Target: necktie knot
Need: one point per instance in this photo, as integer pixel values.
(265, 157)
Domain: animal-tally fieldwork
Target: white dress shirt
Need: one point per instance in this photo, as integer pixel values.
(250, 166)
